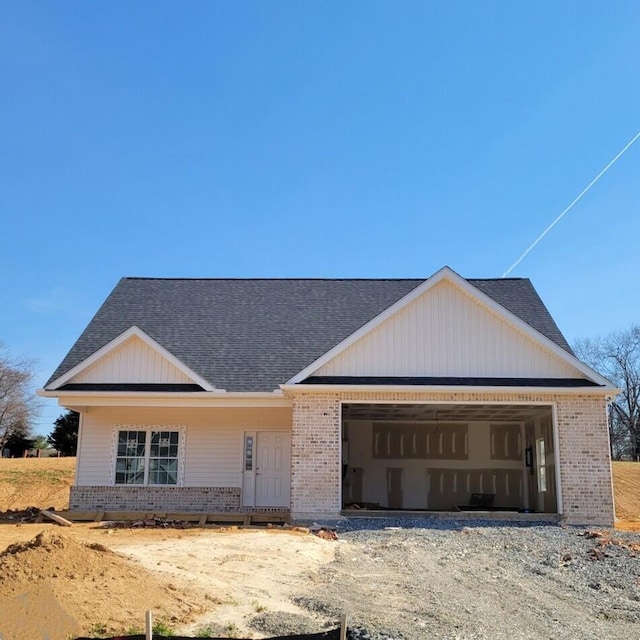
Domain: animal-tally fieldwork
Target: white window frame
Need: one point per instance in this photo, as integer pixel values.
(541, 465)
(148, 429)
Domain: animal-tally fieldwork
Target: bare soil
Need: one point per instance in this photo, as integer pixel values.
(40, 482)
(87, 578)
(626, 489)
(57, 585)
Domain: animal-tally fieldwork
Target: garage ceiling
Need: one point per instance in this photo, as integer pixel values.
(455, 412)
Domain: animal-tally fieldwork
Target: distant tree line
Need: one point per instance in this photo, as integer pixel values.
(617, 357)
(19, 407)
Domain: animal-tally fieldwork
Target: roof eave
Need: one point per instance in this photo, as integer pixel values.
(587, 390)
(167, 399)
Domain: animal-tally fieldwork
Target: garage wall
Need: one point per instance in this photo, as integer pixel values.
(434, 483)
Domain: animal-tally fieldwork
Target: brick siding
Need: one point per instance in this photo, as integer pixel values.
(161, 499)
(583, 448)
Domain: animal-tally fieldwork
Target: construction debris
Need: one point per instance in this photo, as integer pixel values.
(325, 534)
(148, 523)
(606, 539)
(56, 518)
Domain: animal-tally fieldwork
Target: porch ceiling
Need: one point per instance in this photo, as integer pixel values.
(454, 412)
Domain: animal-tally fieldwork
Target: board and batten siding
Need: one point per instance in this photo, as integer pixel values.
(132, 362)
(446, 332)
(213, 440)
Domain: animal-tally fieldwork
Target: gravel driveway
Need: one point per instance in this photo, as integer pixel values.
(478, 580)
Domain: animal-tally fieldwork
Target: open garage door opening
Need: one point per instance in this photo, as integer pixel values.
(448, 457)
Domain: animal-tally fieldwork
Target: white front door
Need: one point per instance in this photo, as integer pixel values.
(268, 483)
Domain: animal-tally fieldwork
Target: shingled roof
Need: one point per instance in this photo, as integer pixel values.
(254, 334)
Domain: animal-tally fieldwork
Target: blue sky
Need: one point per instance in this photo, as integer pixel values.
(328, 139)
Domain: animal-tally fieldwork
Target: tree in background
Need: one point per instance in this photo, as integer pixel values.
(617, 357)
(64, 437)
(18, 444)
(18, 404)
(40, 442)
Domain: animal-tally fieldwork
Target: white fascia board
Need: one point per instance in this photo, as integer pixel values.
(116, 342)
(180, 399)
(449, 274)
(368, 388)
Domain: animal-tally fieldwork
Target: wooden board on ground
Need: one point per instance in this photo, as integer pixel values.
(56, 518)
(200, 518)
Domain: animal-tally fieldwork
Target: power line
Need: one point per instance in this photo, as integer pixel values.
(582, 193)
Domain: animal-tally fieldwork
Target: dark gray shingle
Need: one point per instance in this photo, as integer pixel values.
(251, 335)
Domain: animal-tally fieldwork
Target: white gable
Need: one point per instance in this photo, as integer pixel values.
(446, 331)
(133, 361)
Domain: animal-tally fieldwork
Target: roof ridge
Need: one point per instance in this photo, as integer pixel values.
(292, 279)
(494, 279)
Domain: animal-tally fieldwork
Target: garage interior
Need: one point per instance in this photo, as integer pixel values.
(448, 457)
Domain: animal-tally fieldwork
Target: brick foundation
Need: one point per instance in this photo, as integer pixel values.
(161, 499)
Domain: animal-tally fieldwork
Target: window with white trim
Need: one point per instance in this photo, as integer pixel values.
(147, 457)
(541, 465)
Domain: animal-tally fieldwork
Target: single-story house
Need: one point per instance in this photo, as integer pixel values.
(317, 396)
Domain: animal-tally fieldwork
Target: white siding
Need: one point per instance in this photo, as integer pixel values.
(94, 451)
(132, 362)
(446, 332)
(214, 440)
(213, 457)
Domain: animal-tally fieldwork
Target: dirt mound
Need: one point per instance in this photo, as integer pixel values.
(55, 587)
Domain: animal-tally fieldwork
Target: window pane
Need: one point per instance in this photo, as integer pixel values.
(130, 471)
(163, 471)
(130, 457)
(248, 453)
(162, 444)
(131, 443)
(541, 465)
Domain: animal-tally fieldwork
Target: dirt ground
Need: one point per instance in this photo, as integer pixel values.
(40, 482)
(91, 579)
(626, 489)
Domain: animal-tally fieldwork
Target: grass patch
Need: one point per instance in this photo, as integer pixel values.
(37, 476)
(162, 629)
(98, 630)
(231, 630)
